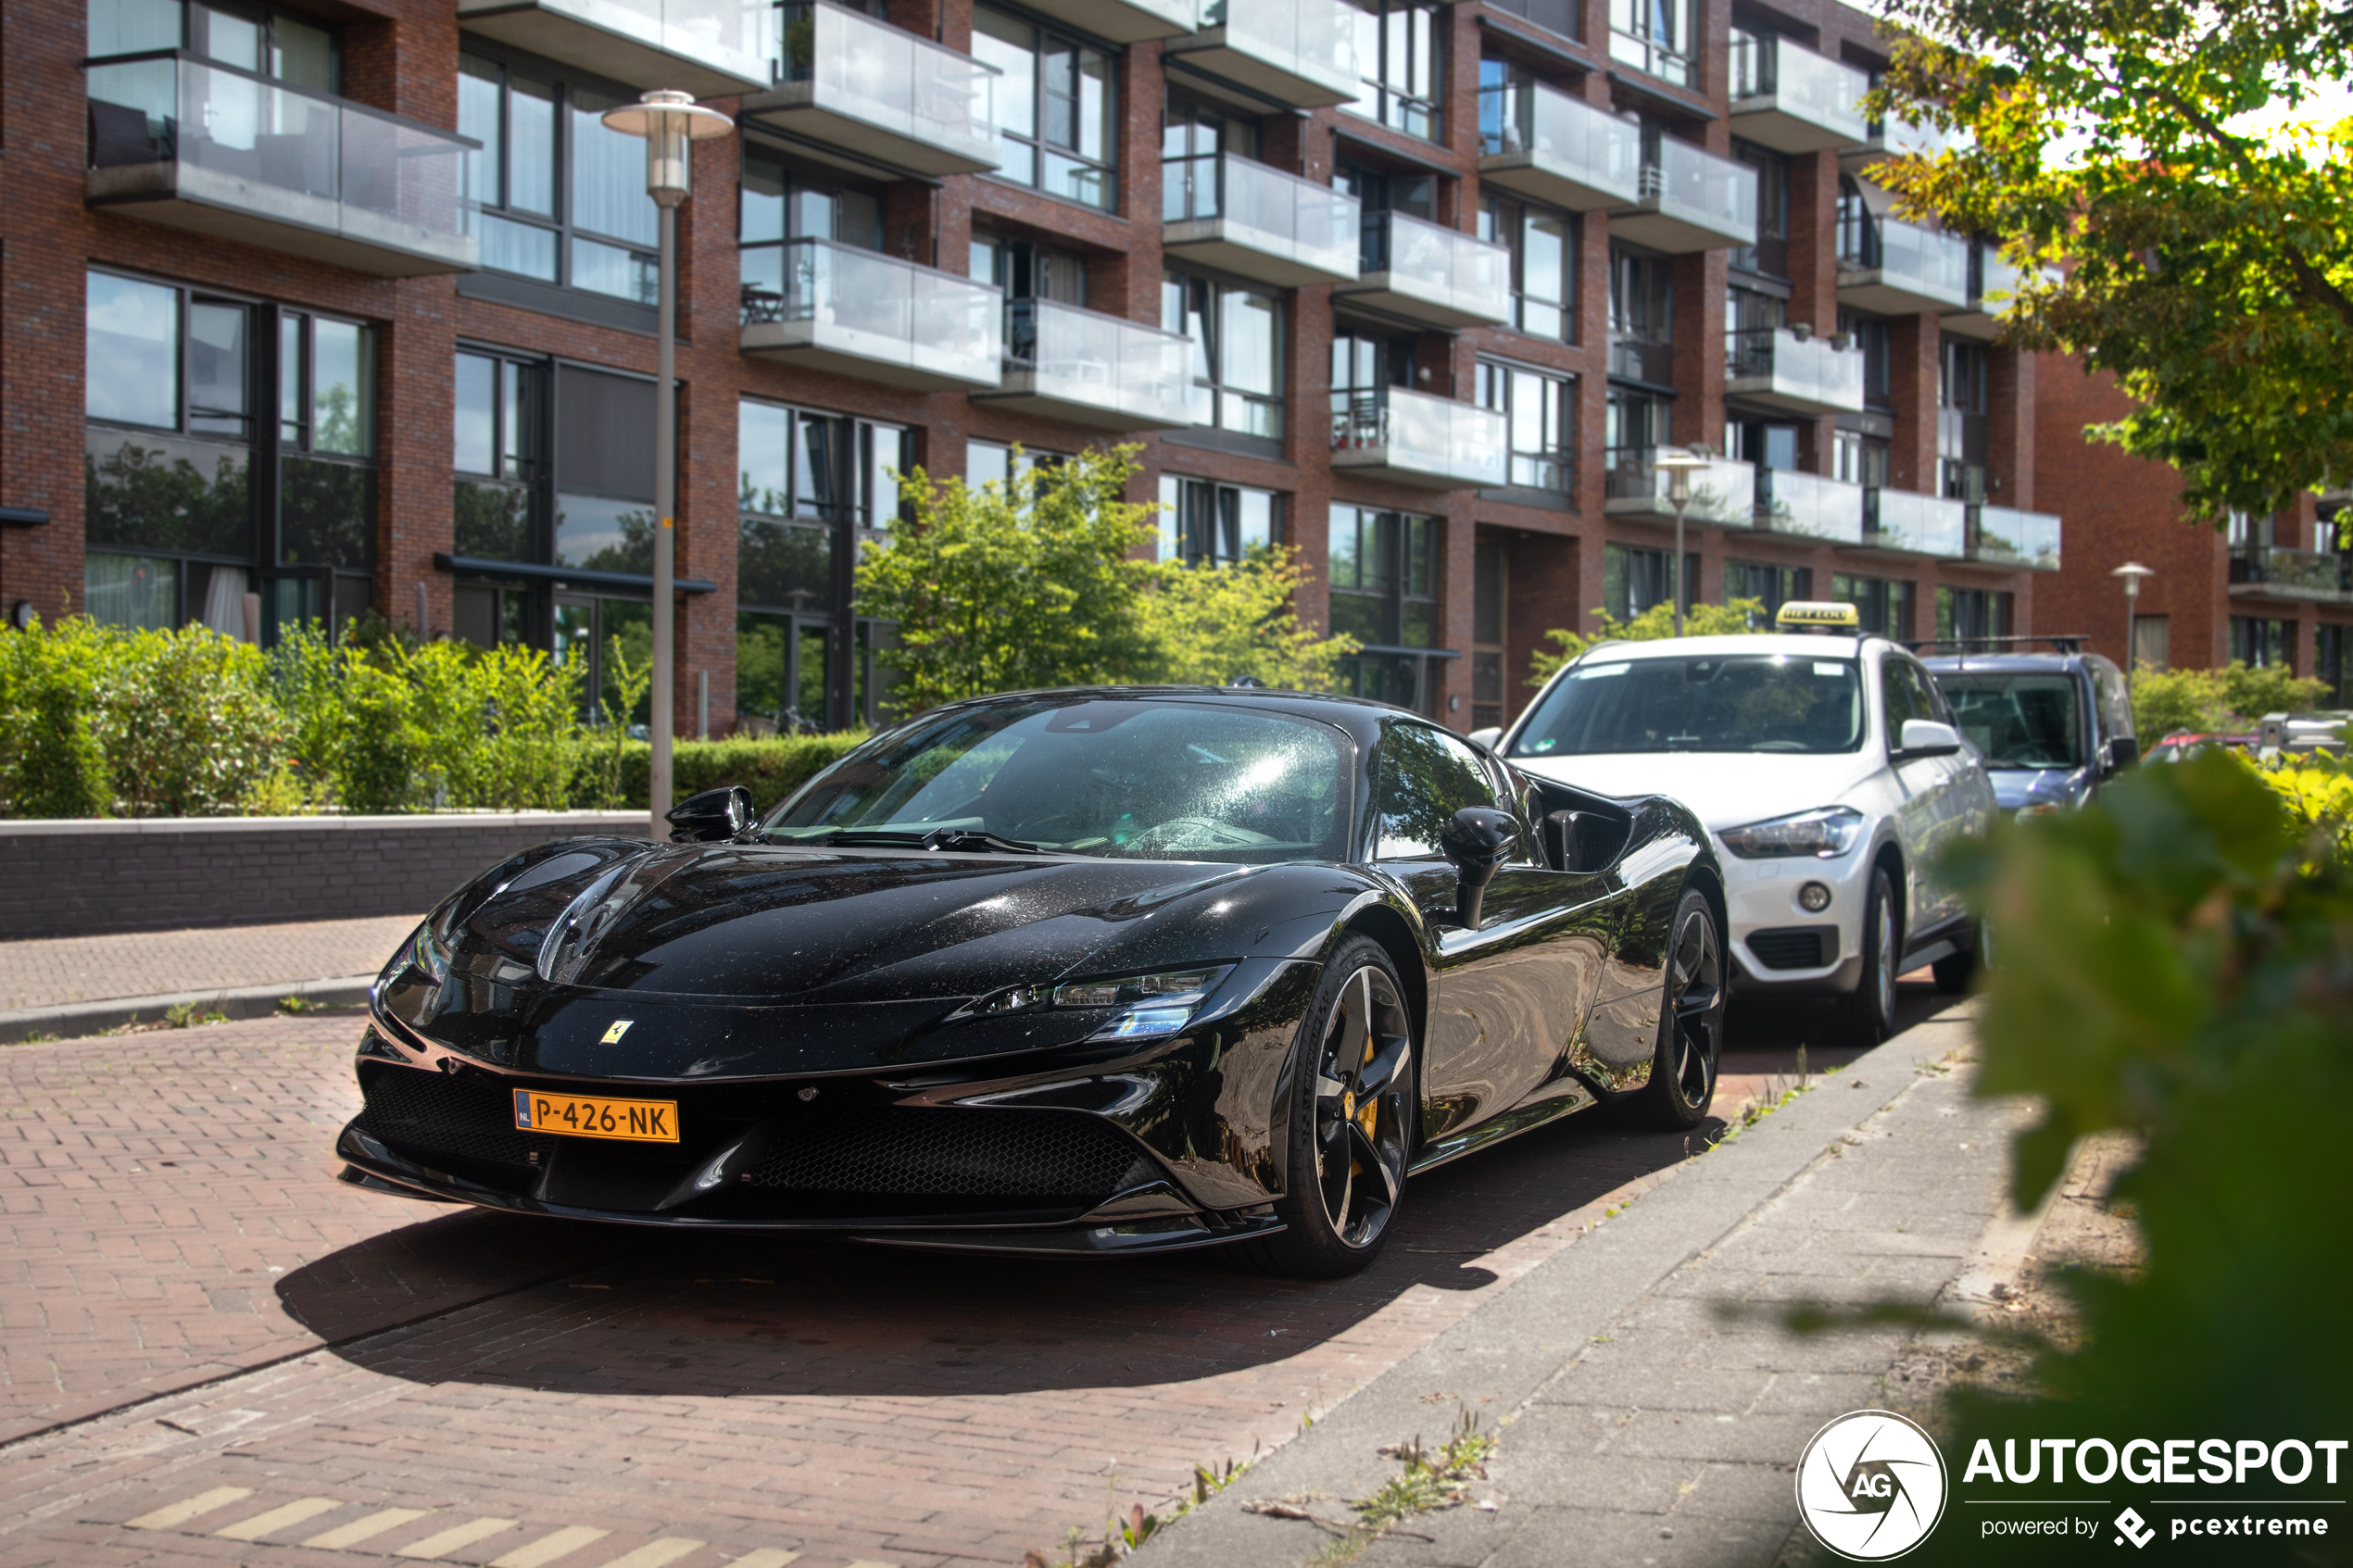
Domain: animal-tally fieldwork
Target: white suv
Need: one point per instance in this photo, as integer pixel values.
(1830, 772)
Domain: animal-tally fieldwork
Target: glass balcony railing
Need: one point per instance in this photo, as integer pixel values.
(1723, 494)
(881, 92)
(219, 151)
(1432, 274)
(1301, 53)
(2010, 537)
(1888, 265)
(1542, 142)
(1795, 100)
(1124, 22)
(1418, 439)
(1895, 138)
(865, 313)
(1806, 506)
(1261, 223)
(707, 47)
(1776, 367)
(1916, 524)
(1097, 370)
(1691, 200)
(2303, 574)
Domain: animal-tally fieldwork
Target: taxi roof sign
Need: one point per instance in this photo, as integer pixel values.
(1818, 615)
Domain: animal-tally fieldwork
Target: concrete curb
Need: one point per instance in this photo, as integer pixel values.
(1536, 1326)
(75, 1020)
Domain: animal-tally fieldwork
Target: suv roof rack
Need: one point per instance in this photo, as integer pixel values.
(2061, 642)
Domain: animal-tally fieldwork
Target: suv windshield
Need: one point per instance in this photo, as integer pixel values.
(2018, 720)
(1741, 702)
(1169, 781)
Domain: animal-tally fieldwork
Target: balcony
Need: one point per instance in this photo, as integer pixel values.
(1778, 368)
(1436, 276)
(2006, 536)
(1914, 524)
(1893, 268)
(1411, 438)
(710, 48)
(2273, 571)
(1885, 139)
(1689, 200)
(223, 153)
(1806, 506)
(879, 94)
(1263, 224)
(1300, 53)
(1723, 493)
(1795, 101)
(1992, 283)
(1124, 22)
(1065, 363)
(833, 307)
(1543, 143)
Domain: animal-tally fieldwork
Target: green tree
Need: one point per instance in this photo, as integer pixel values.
(1211, 624)
(1034, 583)
(1733, 618)
(2209, 268)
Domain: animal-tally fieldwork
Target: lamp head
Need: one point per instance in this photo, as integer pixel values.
(2131, 572)
(1678, 463)
(668, 120)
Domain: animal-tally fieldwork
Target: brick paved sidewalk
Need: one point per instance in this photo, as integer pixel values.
(172, 1220)
(155, 963)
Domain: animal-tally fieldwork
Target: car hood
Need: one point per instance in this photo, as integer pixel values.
(1723, 789)
(2014, 787)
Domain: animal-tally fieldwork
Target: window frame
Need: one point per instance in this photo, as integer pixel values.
(1192, 506)
(1494, 209)
(1401, 108)
(1403, 599)
(1191, 289)
(1104, 170)
(1498, 386)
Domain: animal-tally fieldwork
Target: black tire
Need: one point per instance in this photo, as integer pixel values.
(1691, 1024)
(1955, 973)
(1352, 1107)
(1866, 1015)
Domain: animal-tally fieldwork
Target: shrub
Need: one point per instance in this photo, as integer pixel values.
(51, 762)
(2211, 701)
(185, 721)
(1654, 625)
(771, 767)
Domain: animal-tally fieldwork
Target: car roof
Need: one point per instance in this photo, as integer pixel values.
(2008, 663)
(1768, 643)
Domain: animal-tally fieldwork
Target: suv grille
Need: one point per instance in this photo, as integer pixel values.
(1795, 946)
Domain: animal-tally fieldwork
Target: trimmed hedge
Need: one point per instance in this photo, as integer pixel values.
(771, 768)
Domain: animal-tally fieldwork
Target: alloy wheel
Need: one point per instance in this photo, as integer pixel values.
(1695, 1004)
(1885, 1001)
(1363, 1084)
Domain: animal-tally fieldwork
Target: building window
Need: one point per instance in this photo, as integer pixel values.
(500, 406)
(326, 469)
(1770, 255)
(1960, 421)
(1364, 365)
(1202, 522)
(264, 43)
(2153, 647)
(1971, 615)
(1397, 47)
(1538, 412)
(1883, 604)
(807, 485)
(1490, 599)
(1192, 139)
(1871, 335)
(561, 198)
(2260, 643)
(994, 462)
(1057, 109)
(1635, 580)
(1751, 318)
(1544, 248)
(780, 205)
(1384, 577)
(2331, 658)
(1641, 316)
(1633, 426)
(1237, 359)
(1771, 586)
(1657, 36)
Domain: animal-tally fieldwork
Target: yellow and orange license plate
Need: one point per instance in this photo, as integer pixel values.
(582, 1116)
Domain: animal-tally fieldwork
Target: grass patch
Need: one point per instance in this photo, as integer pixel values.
(191, 1015)
(1123, 1534)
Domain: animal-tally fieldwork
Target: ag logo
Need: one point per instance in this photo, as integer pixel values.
(1871, 1485)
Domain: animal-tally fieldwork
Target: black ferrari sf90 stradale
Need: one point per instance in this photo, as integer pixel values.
(1061, 973)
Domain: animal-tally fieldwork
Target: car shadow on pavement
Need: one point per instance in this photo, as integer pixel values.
(614, 1310)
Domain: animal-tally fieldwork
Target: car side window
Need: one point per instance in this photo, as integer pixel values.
(1902, 695)
(2115, 707)
(1423, 777)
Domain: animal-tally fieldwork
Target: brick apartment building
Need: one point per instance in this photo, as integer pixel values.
(348, 303)
(2267, 592)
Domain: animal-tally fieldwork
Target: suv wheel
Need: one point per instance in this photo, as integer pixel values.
(1868, 1015)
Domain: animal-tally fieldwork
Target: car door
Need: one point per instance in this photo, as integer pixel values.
(1508, 997)
(1923, 788)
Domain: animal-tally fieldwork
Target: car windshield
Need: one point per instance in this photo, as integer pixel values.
(1172, 781)
(2018, 720)
(1739, 702)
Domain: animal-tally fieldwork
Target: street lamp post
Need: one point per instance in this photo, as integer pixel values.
(2131, 572)
(1679, 463)
(668, 122)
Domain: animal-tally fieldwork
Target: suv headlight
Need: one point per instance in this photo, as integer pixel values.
(1825, 833)
(1149, 1004)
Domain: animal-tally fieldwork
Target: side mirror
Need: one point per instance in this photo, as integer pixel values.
(2123, 751)
(716, 816)
(1489, 736)
(1477, 842)
(1926, 737)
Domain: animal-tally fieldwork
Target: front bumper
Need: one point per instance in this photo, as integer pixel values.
(1770, 929)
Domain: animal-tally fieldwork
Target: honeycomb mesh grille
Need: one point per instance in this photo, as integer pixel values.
(953, 1151)
(1806, 947)
(466, 1117)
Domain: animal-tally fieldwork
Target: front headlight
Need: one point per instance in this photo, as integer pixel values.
(1149, 1004)
(1825, 833)
(426, 950)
